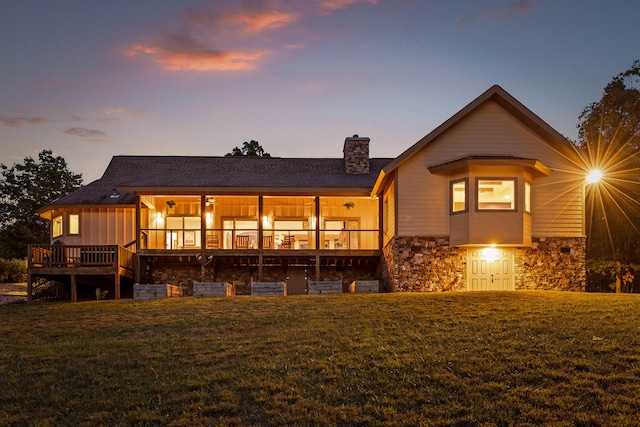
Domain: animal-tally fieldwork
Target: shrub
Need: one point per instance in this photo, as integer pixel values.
(13, 270)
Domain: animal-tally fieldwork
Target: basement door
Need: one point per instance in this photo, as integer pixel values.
(490, 269)
(296, 281)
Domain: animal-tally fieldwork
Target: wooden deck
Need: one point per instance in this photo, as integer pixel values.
(50, 261)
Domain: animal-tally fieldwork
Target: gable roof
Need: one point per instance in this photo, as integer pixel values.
(127, 175)
(553, 138)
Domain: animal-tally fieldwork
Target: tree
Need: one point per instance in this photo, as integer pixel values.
(24, 188)
(609, 136)
(250, 149)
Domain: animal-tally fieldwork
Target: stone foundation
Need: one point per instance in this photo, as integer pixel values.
(423, 264)
(427, 264)
(184, 271)
(551, 264)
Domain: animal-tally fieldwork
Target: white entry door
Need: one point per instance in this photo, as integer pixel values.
(490, 269)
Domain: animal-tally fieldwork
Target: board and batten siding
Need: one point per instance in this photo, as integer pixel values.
(104, 226)
(422, 198)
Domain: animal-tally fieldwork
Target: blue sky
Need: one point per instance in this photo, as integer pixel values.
(92, 79)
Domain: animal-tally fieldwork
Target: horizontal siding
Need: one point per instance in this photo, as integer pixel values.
(489, 130)
(389, 212)
(422, 200)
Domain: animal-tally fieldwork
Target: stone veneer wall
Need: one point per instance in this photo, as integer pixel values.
(183, 271)
(423, 264)
(557, 263)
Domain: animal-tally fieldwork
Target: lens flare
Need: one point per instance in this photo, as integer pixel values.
(594, 176)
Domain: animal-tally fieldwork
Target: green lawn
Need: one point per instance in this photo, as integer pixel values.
(525, 358)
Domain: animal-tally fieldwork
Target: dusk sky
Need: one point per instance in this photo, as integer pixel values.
(92, 79)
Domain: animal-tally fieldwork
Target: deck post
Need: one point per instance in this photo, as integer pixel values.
(74, 289)
(117, 287)
(317, 267)
(29, 278)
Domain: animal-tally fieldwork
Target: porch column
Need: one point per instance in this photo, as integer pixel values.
(319, 244)
(203, 224)
(260, 237)
(317, 267)
(138, 219)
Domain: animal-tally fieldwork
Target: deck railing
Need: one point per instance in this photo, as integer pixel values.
(80, 256)
(239, 239)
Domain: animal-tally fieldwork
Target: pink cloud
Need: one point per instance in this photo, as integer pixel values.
(229, 37)
(124, 112)
(94, 136)
(262, 21)
(512, 10)
(330, 5)
(182, 53)
(18, 122)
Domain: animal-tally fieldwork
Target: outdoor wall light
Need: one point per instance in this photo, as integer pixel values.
(159, 218)
(490, 254)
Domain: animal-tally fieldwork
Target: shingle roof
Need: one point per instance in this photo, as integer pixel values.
(128, 173)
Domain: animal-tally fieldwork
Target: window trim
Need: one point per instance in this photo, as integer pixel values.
(70, 228)
(53, 227)
(500, 178)
(466, 196)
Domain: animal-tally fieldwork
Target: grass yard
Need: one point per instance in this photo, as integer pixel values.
(517, 358)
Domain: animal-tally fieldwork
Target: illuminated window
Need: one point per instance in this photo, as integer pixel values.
(74, 224)
(56, 226)
(496, 194)
(459, 196)
(527, 197)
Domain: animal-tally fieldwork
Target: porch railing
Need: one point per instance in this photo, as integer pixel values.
(80, 256)
(239, 239)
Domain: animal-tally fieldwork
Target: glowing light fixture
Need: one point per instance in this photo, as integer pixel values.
(490, 254)
(159, 218)
(594, 176)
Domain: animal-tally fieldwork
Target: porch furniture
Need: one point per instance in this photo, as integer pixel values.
(242, 242)
(212, 241)
(288, 242)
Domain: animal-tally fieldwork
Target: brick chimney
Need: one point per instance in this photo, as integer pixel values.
(356, 155)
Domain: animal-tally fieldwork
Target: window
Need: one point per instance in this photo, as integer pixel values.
(496, 194)
(56, 226)
(74, 224)
(459, 196)
(527, 197)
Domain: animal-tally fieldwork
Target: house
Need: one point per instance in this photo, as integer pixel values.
(490, 200)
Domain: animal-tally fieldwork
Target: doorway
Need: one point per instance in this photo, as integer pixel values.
(296, 281)
(490, 269)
